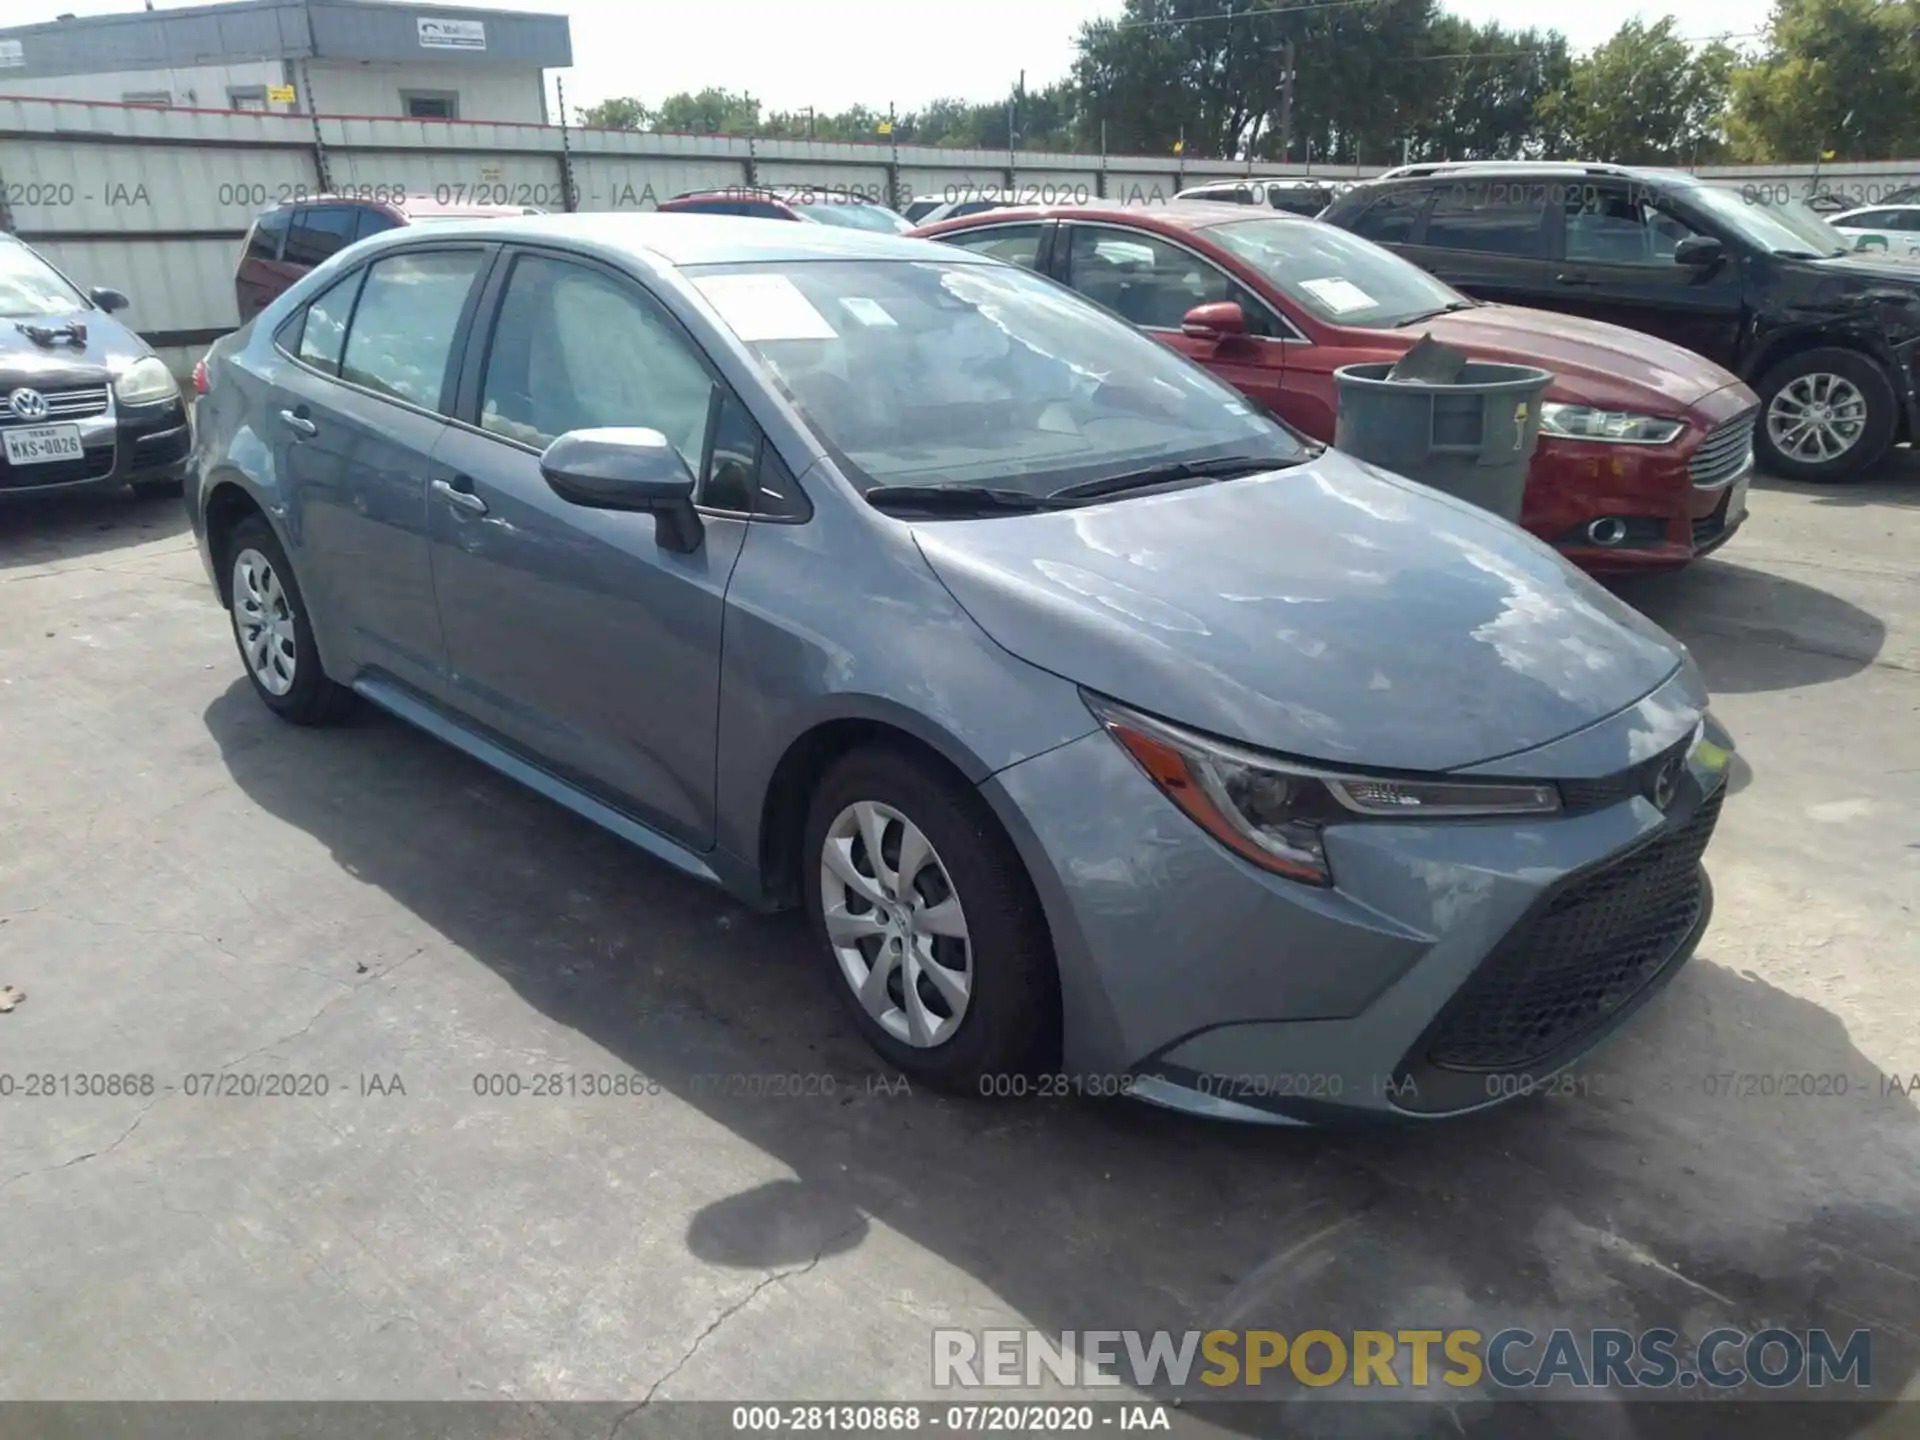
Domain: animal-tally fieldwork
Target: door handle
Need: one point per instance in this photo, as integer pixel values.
(1574, 280)
(458, 492)
(299, 424)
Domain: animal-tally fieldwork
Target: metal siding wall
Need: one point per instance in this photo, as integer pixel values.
(389, 32)
(608, 182)
(951, 184)
(452, 178)
(173, 284)
(861, 179)
(1142, 187)
(493, 93)
(67, 185)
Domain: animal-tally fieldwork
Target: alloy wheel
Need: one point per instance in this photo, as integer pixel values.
(896, 924)
(263, 618)
(1817, 417)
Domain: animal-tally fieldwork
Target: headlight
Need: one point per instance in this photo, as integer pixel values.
(143, 382)
(1273, 811)
(1582, 422)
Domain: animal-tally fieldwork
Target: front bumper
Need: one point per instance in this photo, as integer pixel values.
(125, 445)
(1447, 970)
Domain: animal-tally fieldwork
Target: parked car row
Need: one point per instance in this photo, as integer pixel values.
(1100, 721)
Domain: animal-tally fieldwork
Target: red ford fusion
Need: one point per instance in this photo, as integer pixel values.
(1646, 449)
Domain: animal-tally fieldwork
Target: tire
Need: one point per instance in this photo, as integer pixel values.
(1850, 367)
(310, 697)
(1010, 1020)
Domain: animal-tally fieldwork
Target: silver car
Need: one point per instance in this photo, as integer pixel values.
(1107, 730)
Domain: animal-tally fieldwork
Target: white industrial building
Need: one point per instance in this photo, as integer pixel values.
(327, 57)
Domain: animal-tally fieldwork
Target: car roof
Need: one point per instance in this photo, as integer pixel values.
(1868, 209)
(700, 239)
(1187, 215)
(413, 207)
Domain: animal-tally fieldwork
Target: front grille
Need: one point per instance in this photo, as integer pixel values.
(77, 404)
(1724, 452)
(1708, 527)
(1578, 796)
(1597, 944)
(93, 464)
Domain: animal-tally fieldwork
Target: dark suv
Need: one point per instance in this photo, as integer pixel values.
(289, 239)
(1771, 291)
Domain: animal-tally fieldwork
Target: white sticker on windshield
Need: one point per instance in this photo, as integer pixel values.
(867, 312)
(1338, 294)
(765, 307)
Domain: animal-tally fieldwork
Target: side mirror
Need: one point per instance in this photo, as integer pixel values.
(1699, 251)
(1217, 321)
(621, 468)
(108, 300)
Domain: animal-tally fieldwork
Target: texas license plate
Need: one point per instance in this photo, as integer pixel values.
(39, 444)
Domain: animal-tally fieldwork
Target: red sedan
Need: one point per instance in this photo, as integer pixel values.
(1645, 448)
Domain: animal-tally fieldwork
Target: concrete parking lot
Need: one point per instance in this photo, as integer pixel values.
(189, 888)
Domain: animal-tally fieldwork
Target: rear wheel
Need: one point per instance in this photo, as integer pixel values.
(928, 921)
(273, 631)
(1825, 416)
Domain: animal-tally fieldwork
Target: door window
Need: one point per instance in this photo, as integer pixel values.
(1499, 217)
(323, 329)
(1391, 218)
(1016, 244)
(1608, 225)
(373, 222)
(402, 332)
(1871, 220)
(317, 231)
(575, 349)
(1150, 282)
(263, 242)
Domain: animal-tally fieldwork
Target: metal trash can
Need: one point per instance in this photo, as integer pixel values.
(1473, 438)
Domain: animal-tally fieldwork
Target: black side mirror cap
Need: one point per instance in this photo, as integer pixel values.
(627, 468)
(1700, 251)
(107, 299)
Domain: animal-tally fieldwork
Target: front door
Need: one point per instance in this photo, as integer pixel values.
(572, 633)
(357, 417)
(1617, 265)
(1152, 282)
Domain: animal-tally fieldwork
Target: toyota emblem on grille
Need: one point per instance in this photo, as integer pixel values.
(28, 404)
(1666, 783)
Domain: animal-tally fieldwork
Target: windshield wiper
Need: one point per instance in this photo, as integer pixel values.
(955, 497)
(1218, 469)
(1446, 309)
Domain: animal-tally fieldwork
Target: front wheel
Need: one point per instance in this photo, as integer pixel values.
(273, 630)
(928, 922)
(1825, 416)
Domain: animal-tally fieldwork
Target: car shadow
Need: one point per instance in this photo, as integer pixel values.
(1895, 481)
(1657, 1194)
(1795, 634)
(43, 530)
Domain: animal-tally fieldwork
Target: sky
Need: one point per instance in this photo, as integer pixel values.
(831, 54)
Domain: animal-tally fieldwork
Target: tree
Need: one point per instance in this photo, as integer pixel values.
(1838, 77)
(1490, 84)
(625, 113)
(1645, 97)
(710, 112)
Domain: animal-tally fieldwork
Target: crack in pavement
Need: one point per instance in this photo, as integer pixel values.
(775, 1278)
(89, 1155)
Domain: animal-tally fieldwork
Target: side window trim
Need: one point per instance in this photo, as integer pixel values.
(456, 349)
(1289, 333)
(486, 303)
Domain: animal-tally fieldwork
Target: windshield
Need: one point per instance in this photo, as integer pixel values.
(30, 286)
(936, 372)
(856, 216)
(1334, 274)
(1785, 228)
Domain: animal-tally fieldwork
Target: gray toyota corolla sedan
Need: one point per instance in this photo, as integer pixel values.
(1108, 731)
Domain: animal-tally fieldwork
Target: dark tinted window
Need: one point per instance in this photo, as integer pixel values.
(1498, 217)
(403, 327)
(317, 231)
(324, 330)
(734, 459)
(1610, 225)
(373, 222)
(575, 349)
(761, 209)
(1391, 218)
(780, 496)
(263, 242)
(1016, 244)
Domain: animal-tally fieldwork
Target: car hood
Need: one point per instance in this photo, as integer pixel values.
(110, 348)
(1593, 363)
(1332, 611)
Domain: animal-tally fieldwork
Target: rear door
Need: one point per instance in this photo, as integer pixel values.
(1616, 264)
(1152, 281)
(357, 418)
(1489, 237)
(572, 632)
(261, 276)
